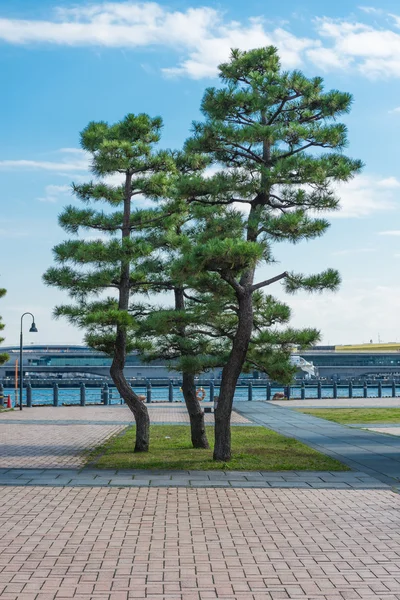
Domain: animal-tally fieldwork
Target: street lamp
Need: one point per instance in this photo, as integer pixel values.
(33, 329)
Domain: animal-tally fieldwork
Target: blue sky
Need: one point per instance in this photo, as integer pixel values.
(64, 64)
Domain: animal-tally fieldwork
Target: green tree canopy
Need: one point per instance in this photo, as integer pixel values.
(104, 274)
(277, 148)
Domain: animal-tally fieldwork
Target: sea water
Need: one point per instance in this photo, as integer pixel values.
(44, 396)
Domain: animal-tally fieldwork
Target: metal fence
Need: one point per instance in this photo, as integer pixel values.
(80, 394)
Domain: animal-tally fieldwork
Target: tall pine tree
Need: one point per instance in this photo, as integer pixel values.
(182, 335)
(122, 262)
(268, 132)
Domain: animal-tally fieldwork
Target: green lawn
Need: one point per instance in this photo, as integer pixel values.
(253, 449)
(356, 415)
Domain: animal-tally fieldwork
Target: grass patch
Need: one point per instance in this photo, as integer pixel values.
(253, 449)
(355, 415)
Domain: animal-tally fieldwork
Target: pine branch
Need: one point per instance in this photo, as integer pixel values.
(267, 282)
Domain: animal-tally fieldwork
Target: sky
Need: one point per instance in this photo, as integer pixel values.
(64, 64)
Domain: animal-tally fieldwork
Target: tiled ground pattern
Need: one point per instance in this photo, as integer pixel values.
(159, 413)
(57, 437)
(203, 544)
(91, 477)
(51, 445)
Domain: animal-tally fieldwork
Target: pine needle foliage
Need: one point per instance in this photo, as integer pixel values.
(104, 273)
(278, 150)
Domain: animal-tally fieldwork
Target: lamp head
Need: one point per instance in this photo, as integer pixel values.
(33, 328)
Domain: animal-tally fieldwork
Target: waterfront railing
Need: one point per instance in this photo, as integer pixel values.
(58, 394)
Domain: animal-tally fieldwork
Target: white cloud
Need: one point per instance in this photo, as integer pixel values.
(389, 182)
(36, 165)
(396, 19)
(357, 313)
(113, 24)
(214, 49)
(365, 195)
(204, 36)
(77, 151)
(393, 232)
(327, 58)
(394, 110)
(373, 50)
(53, 193)
(202, 33)
(371, 10)
(79, 162)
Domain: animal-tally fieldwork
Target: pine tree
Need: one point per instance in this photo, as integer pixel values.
(188, 340)
(194, 335)
(268, 132)
(179, 335)
(3, 357)
(124, 264)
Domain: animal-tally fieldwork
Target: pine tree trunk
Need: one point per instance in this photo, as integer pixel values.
(241, 341)
(222, 448)
(117, 367)
(196, 413)
(230, 375)
(137, 407)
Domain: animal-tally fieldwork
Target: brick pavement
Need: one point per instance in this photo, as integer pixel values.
(52, 445)
(112, 535)
(198, 544)
(58, 437)
(162, 412)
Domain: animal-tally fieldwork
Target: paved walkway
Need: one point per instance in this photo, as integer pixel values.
(90, 477)
(122, 535)
(373, 453)
(339, 403)
(59, 437)
(198, 544)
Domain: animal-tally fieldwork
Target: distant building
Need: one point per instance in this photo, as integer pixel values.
(330, 362)
(355, 361)
(68, 361)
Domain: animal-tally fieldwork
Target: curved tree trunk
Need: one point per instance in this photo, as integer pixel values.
(138, 407)
(230, 375)
(117, 367)
(240, 345)
(196, 413)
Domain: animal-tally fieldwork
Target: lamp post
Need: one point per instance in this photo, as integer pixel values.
(33, 329)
